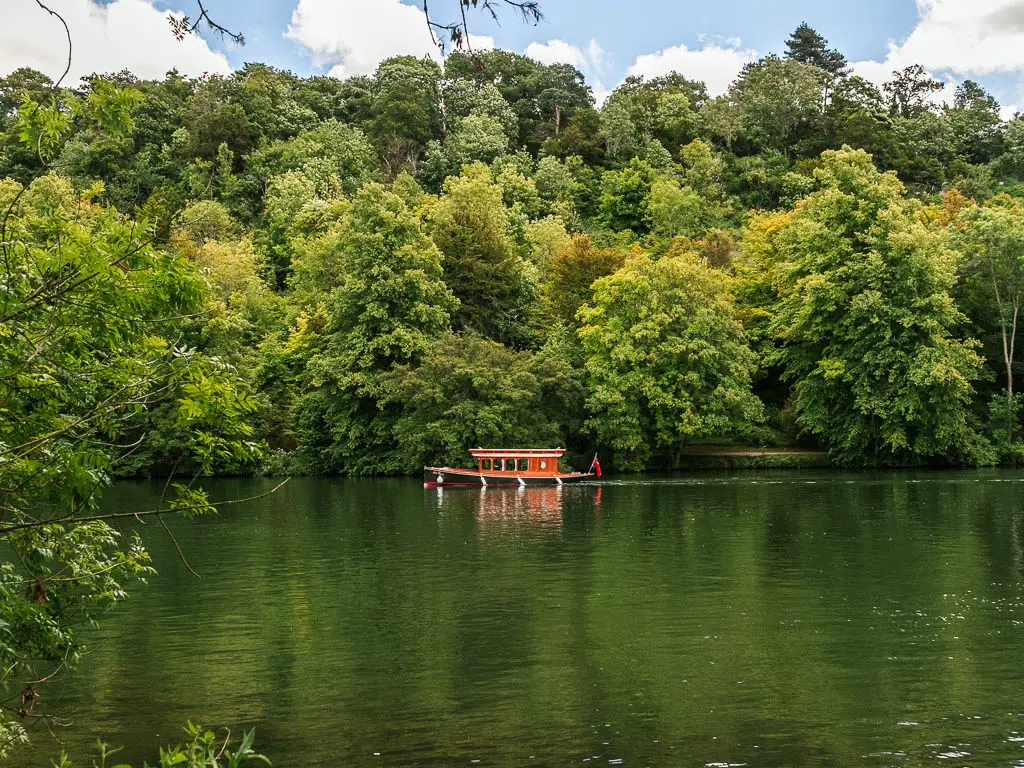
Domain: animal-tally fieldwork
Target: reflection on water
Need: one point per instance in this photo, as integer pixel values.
(808, 619)
(531, 505)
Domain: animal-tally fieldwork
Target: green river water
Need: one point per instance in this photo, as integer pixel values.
(787, 619)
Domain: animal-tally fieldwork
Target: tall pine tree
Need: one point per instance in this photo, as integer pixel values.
(808, 47)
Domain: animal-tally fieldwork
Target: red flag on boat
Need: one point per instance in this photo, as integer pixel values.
(596, 465)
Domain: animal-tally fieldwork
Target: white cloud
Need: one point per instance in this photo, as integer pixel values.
(596, 54)
(354, 36)
(968, 38)
(561, 52)
(590, 61)
(717, 65)
(124, 34)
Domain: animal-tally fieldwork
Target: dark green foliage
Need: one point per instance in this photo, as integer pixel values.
(624, 197)
(573, 270)
(538, 93)
(214, 118)
(468, 392)
(90, 353)
(909, 90)
(864, 323)
(976, 127)
(203, 749)
(471, 226)
(316, 285)
(667, 362)
(388, 306)
(808, 47)
(405, 110)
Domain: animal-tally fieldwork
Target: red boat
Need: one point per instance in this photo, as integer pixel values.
(508, 466)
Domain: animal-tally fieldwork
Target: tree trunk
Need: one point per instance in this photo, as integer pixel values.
(1008, 349)
(678, 460)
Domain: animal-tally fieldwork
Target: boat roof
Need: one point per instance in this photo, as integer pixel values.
(516, 453)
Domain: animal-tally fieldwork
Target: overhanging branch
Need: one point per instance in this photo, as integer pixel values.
(6, 530)
(186, 26)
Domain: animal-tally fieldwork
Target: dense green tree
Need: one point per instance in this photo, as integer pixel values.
(476, 138)
(703, 169)
(993, 241)
(250, 179)
(620, 132)
(974, 119)
(546, 237)
(677, 211)
(405, 112)
(667, 363)
(722, 120)
(624, 197)
(856, 114)
(573, 270)
(554, 180)
(463, 98)
(390, 304)
(578, 136)
(207, 220)
(21, 83)
(543, 96)
(921, 149)
(663, 109)
(1011, 162)
(331, 145)
(322, 95)
(266, 95)
(298, 205)
(213, 118)
(17, 160)
(808, 47)
(469, 392)
(865, 322)
(909, 90)
(483, 268)
(87, 321)
(779, 99)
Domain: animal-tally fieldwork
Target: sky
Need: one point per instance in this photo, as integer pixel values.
(982, 40)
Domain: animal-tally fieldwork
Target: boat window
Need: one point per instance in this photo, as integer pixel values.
(524, 465)
(485, 464)
(543, 464)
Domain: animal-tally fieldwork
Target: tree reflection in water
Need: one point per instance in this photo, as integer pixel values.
(538, 507)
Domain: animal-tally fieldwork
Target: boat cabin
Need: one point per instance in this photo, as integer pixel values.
(540, 462)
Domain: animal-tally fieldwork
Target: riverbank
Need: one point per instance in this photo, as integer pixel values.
(711, 457)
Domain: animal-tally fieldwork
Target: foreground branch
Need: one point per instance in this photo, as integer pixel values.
(67, 31)
(458, 31)
(186, 26)
(4, 531)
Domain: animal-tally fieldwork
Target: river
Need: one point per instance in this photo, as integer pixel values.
(777, 619)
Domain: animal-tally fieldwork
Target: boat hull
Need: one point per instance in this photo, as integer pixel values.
(445, 476)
